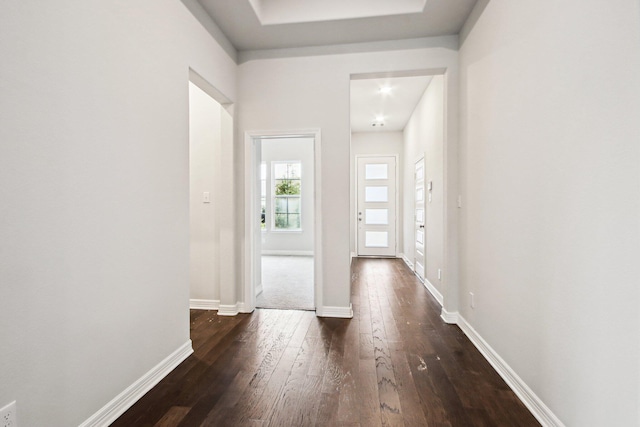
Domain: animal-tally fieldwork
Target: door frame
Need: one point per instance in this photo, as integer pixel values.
(397, 201)
(424, 220)
(252, 210)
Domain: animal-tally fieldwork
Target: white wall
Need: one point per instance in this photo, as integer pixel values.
(293, 149)
(550, 101)
(384, 144)
(94, 173)
(424, 137)
(313, 92)
(204, 173)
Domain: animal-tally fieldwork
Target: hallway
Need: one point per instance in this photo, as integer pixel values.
(395, 363)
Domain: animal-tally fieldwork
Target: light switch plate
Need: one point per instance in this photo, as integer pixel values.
(8, 415)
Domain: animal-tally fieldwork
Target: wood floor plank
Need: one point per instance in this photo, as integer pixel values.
(395, 363)
(369, 399)
(410, 401)
(173, 416)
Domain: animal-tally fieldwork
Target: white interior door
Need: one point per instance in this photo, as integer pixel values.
(420, 217)
(376, 208)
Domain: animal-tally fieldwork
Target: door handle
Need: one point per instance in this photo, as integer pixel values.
(421, 226)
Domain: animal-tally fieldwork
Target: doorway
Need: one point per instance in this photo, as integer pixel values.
(287, 218)
(283, 256)
(210, 138)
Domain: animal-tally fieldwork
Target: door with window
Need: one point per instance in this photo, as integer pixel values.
(376, 206)
(419, 218)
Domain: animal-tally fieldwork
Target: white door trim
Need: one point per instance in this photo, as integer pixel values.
(421, 275)
(251, 210)
(397, 196)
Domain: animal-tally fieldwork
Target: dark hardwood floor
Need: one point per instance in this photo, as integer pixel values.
(395, 363)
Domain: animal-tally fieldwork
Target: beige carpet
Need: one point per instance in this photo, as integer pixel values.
(287, 283)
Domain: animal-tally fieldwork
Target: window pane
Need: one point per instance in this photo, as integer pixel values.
(376, 239)
(376, 171)
(294, 221)
(287, 221)
(376, 216)
(293, 205)
(281, 205)
(376, 194)
(420, 215)
(263, 170)
(280, 170)
(287, 186)
(420, 236)
(420, 195)
(294, 170)
(419, 173)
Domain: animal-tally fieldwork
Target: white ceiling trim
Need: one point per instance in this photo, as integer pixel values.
(247, 23)
(278, 12)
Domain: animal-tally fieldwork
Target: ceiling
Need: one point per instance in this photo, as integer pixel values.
(275, 24)
(369, 104)
(253, 26)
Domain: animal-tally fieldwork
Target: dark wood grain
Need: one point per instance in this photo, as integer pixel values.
(396, 363)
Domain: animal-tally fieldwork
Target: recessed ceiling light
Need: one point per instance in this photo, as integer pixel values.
(385, 90)
(379, 119)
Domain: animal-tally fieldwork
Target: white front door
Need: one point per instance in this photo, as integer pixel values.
(419, 216)
(376, 207)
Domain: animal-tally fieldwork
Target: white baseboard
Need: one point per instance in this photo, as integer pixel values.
(432, 289)
(406, 261)
(112, 410)
(242, 308)
(288, 253)
(228, 310)
(341, 312)
(519, 387)
(204, 304)
(449, 317)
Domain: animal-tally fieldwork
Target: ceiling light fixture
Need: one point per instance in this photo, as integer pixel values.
(379, 121)
(385, 90)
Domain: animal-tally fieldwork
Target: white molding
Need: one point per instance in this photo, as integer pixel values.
(341, 312)
(287, 253)
(537, 407)
(116, 407)
(250, 247)
(204, 304)
(427, 284)
(228, 310)
(432, 289)
(449, 317)
(406, 261)
(242, 308)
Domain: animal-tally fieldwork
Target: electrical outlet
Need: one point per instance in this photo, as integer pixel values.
(8, 415)
(472, 301)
